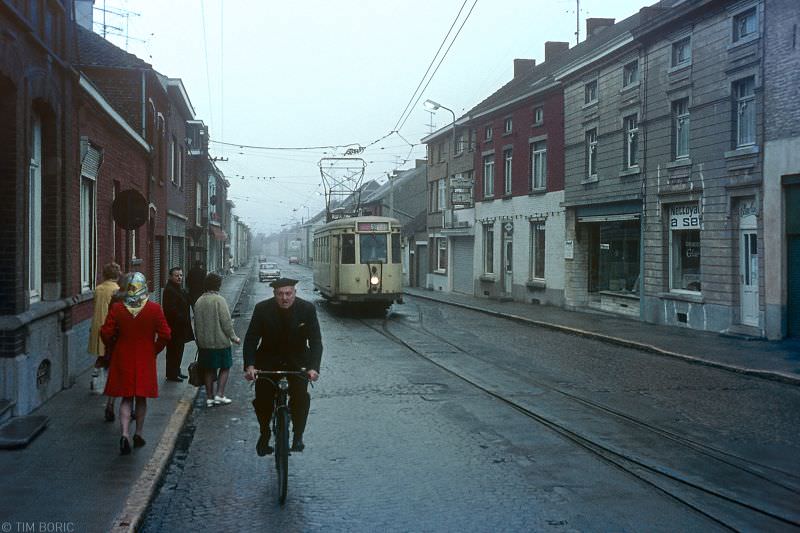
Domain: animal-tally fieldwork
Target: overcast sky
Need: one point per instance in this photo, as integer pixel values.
(332, 73)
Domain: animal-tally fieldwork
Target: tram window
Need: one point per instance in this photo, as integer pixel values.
(373, 248)
(348, 249)
(395, 247)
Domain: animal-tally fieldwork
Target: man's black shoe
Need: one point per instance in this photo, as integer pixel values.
(262, 446)
(182, 375)
(297, 444)
(175, 379)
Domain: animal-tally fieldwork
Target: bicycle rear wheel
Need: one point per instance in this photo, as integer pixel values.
(282, 453)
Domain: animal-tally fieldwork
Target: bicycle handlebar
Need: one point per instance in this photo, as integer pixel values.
(302, 373)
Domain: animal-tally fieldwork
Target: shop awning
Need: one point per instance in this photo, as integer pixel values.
(217, 233)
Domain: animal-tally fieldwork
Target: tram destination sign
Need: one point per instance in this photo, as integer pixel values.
(372, 226)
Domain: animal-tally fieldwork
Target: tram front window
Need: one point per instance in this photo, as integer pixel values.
(373, 248)
(348, 249)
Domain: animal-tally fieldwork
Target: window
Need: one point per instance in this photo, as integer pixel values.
(684, 252)
(590, 92)
(91, 157)
(744, 24)
(440, 149)
(372, 247)
(35, 212)
(198, 205)
(395, 247)
(173, 160)
(538, 165)
(591, 153)
(630, 73)
(537, 250)
(631, 141)
(488, 176)
(538, 115)
(488, 248)
(434, 199)
(507, 160)
(441, 254)
(680, 126)
(87, 233)
(471, 143)
(459, 143)
(487, 133)
(682, 52)
(348, 249)
(441, 197)
(508, 125)
(744, 93)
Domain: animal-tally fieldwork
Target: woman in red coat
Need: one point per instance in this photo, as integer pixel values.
(139, 331)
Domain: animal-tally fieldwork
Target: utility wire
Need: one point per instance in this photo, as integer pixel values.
(433, 60)
(440, 62)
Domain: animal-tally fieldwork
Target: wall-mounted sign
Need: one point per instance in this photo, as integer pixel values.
(684, 216)
(569, 250)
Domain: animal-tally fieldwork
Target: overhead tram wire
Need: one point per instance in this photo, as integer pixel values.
(433, 60)
(440, 62)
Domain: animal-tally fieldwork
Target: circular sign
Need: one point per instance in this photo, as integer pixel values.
(129, 209)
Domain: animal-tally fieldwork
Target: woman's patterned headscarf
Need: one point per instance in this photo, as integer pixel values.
(136, 296)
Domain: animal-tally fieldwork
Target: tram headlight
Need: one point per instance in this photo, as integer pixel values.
(374, 280)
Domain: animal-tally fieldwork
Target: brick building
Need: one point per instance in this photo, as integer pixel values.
(39, 159)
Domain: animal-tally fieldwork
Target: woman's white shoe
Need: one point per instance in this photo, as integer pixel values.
(222, 400)
(210, 403)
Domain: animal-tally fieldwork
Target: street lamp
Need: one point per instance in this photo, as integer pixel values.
(433, 106)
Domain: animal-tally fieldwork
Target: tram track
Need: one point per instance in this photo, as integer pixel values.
(759, 495)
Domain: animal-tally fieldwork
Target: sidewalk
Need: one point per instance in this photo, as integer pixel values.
(72, 478)
(778, 360)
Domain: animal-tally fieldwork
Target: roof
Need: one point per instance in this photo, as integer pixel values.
(95, 51)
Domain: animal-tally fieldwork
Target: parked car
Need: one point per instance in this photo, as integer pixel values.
(293, 260)
(268, 271)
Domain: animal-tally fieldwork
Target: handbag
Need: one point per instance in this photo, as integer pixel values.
(195, 372)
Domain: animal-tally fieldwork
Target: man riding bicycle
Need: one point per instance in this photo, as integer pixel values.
(283, 334)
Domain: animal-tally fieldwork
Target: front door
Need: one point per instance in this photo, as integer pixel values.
(508, 255)
(748, 275)
(748, 269)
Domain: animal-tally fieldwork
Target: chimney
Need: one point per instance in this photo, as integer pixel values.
(523, 66)
(596, 25)
(83, 13)
(554, 48)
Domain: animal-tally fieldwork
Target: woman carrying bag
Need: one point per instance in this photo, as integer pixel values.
(213, 328)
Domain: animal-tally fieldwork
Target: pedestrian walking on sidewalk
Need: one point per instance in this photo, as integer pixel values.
(176, 309)
(283, 335)
(103, 295)
(139, 331)
(195, 281)
(214, 333)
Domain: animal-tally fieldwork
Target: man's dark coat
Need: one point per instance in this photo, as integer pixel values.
(287, 340)
(176, 308)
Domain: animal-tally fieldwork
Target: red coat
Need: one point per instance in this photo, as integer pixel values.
(139, 340)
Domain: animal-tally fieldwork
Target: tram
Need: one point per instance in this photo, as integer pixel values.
(357, 261)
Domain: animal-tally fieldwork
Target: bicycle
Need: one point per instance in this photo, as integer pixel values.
(280, 424)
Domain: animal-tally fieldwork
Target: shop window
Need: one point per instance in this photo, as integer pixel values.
(684, 247)
(614, 263)
(488, 248)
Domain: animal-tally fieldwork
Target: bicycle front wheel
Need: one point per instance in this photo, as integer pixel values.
(282, 453)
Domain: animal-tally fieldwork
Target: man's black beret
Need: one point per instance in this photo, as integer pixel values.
(283, 282)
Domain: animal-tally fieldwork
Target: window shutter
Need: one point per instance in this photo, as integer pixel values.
(91, 159)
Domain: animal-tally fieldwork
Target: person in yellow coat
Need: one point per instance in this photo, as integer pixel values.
(103, 295)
